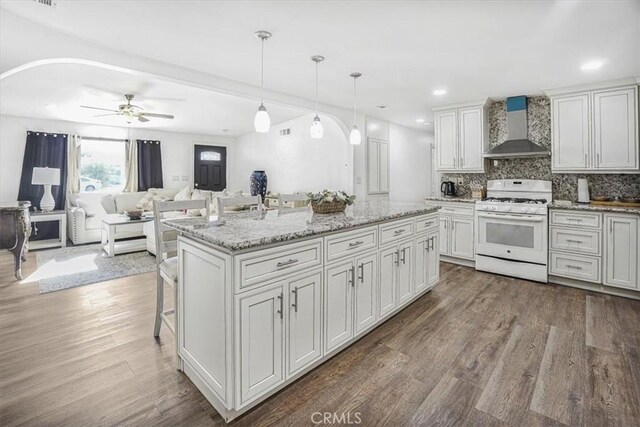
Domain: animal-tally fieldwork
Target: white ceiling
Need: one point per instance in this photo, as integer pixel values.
(57, 91)
(405, 50)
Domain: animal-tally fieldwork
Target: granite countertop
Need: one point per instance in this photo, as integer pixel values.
(451, 199)
(595, 208)
(251, 229)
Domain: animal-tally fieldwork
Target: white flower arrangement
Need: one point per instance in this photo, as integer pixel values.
(330, 196)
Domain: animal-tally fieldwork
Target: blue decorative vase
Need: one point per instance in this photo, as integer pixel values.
(258, 184)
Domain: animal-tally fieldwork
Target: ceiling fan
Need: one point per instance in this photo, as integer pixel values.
(130, 112)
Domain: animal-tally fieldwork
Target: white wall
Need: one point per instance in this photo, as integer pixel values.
(294, 163)
(177, 148)
(410, 158)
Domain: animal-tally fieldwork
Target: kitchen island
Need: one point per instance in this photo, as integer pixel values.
(266, 297)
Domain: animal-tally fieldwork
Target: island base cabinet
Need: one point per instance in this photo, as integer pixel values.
(427, 261)
(621, 252)
(406, 288)
(387, 297)
(304, 344)
(338, 316)
(366, 286)
(261, 319)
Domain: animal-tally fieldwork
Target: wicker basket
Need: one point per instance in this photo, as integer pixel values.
(328, 207)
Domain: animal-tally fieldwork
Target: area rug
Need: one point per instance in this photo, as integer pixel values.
(82, 265)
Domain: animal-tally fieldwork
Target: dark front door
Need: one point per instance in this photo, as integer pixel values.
(210, 168)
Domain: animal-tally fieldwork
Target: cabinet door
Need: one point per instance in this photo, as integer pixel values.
(433, 261)
(338, 290)
(621, 254)
(421, 260)
(366, 288)
(305, 307)
(462, 237)
(444, 235)
(261, 331)
(383, 174)
(387, 297)
(405, 272)
(373, 162)
(471, 139)
(615, 129)
(570, 133)
(446, 138)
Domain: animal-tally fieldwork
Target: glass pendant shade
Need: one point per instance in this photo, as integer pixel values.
(262, 122)
(316, 131)
(355, 138)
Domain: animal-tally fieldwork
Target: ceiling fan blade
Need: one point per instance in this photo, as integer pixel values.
(142, 119)
(98, 108)
(157, 115)
(110, 114)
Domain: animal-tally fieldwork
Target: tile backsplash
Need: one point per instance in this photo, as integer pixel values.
(565, 186)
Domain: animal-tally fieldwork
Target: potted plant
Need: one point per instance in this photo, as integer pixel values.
(328, 201)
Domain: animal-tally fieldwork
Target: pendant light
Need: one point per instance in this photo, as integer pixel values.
(355, 138)
(316, 131)
(262, 122)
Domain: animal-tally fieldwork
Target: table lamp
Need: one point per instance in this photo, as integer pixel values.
(46, 177)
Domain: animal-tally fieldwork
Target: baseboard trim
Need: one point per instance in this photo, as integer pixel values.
(595, 287)
(460, 261)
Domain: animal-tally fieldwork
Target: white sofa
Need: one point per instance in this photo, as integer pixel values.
(84, 217)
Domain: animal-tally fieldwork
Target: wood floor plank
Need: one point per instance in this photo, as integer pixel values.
(507, 395)
(602, 329)
(560, 391)
(449, 404)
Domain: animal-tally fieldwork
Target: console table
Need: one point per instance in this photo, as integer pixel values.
(14, 232)
(61, 217)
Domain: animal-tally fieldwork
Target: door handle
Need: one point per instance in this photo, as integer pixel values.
(433, 240)
(286, 263)
(281, 307)
(398, 232)
(355, 244)
(361, 273)
(428, 245)
(295, 299)
(196, 184)
(404, 255)
(397, 253)
(351, 280)
(428, 223)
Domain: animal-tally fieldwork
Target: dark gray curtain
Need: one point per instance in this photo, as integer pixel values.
(149, 164)
(44, 150)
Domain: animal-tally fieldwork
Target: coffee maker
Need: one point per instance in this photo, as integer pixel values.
(448, 189)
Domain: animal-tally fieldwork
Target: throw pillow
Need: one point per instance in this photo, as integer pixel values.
(146, 203)
(90, 209)
(214, 200)
(198, 195)
(184, 194)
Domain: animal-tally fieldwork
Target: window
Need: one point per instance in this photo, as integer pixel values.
(212, 156)
(102, 165)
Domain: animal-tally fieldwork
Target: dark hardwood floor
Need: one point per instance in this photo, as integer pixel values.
(477, 350)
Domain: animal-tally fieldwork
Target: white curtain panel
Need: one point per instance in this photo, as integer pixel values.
(73, 166)
(131, 167)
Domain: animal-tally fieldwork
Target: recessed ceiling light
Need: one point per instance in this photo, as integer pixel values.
(382, 107)
(592, 65)
(439, 92)
(427, 124)
(419, 120)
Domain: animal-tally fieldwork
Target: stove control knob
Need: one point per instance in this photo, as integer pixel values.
(493, 208)
(532, 210)
(507, 208)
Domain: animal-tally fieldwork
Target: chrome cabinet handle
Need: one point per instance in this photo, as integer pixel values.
(295, 299)
(397, 253)
(404, 255)
(427, 247)
(361, 273)
(397, 232)
(355, 244)
(280, 311)
(575, 241)
(428, 223)
(433, 242)
(351, 280)
(577, 267)
(286, 263)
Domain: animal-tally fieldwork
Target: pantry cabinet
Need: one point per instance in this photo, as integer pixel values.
(461, 137)
(595, 131)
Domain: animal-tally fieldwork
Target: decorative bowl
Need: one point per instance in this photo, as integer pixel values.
(328, 207)
(134, 214)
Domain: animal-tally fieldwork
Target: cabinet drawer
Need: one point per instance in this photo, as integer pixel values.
(426, 222)
(575, 239)
(457, 208)
(582, 219)
(259, 267)
(395, 231)
(575, 266)
(346, 244)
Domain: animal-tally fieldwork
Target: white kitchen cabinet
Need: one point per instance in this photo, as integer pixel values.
(621, 251)
(427, 262)
(433, 259)
(405, 272)
(338, 316)
(304, 344)
(444, 231)
(261, 341)
(461, 137)
(366, 285)
(595, 131)
(461, 237)
(570, 128)
(615, 129)
(377, 166)
(387, 297)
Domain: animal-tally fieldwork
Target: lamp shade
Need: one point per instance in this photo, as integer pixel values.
(355, 137)
(45, 176)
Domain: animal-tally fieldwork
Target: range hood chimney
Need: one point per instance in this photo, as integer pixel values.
(517, 144)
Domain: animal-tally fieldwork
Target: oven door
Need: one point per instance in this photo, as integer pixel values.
(512, 236)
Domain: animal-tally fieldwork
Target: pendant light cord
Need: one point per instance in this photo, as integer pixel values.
(354, 101)
(316, 88)
(262, 72)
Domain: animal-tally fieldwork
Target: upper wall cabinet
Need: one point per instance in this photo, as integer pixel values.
(461, 137)
(378, 166)
(595, 131)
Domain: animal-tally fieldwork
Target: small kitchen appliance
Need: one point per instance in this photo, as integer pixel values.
(583, 191)
(512, 228)
(448, 188)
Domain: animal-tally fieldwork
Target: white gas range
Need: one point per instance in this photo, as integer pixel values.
(512, 228)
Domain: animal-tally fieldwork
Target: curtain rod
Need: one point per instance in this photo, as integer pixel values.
(100, 138)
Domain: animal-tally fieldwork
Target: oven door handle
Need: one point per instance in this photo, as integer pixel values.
(528, 218)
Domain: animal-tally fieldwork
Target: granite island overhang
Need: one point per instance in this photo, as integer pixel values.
(266, 297)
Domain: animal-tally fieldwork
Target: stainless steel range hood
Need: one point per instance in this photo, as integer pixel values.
(517, 144)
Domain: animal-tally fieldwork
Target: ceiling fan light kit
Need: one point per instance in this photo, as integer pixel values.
(262, 122)
(316, 130)
(129, 111)
(355, 138)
